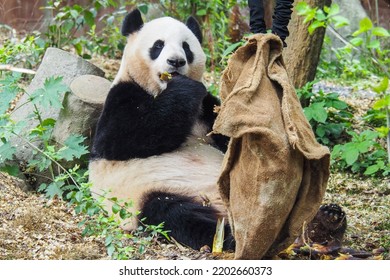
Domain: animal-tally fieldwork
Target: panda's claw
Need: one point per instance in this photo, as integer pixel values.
(328, 226)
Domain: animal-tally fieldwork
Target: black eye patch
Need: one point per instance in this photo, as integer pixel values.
(155, 51)
(189, 53)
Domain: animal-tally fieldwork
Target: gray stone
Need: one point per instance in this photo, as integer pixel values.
(55, 62)
(354, 12)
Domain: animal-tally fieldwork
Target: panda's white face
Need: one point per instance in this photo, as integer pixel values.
(161, 45)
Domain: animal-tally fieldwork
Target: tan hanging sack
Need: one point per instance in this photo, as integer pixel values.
(274, 173)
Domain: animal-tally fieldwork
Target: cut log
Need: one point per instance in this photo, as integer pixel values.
(81, 108)
(55, 63)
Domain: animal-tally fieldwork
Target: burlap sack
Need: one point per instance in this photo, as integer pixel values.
(274, 173)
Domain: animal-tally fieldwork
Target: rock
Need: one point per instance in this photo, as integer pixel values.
(55, 62)
(81, 108)
(354, 12)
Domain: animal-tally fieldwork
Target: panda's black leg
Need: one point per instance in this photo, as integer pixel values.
(188, 222)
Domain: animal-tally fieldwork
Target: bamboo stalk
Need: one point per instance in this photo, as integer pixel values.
(7, 67)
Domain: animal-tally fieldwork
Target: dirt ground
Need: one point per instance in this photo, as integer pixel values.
(32, 227)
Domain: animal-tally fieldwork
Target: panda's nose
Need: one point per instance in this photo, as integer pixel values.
(176, 62)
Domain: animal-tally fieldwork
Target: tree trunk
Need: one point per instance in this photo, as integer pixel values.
(303, 50)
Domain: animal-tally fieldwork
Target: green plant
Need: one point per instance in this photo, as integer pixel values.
(72, 183)
(28, 52)
(69, 23)
(364, 56)
(363, 154)
(328, 115)
(120, 245)
(321, 18)
(383, 106)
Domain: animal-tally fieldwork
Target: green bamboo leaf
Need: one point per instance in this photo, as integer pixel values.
(123, 214)
(231, 48)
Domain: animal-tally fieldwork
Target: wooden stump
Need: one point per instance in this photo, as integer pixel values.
(55, 63)
(82, 107)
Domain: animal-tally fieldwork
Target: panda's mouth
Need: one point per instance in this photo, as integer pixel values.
(166, 76)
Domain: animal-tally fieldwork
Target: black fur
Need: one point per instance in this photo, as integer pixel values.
(208, 117)
(134, 124)
(193, 25)
(189, 222)
(132, 23)
(189, 53)
(156, 49)
(328, 226)
(176, 62)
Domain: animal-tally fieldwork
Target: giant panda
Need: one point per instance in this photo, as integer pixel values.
(151, 145)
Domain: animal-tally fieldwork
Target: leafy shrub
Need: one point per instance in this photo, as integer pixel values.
(328, 115)
(27, 53)
(364, 55)
(70, 22)
(363, 154)
(70, 184)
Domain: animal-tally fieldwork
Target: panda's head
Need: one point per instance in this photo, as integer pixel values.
(159, 46)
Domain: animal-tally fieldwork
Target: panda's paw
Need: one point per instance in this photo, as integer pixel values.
(331, 216)
(328, 226)
(183, 84)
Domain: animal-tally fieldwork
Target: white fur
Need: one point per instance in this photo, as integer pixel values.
(138, 66)
(191, 170)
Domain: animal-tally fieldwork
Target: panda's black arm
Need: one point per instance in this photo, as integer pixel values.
(134, 124)
(208, 117)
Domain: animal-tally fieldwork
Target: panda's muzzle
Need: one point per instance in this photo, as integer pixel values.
(177, 63)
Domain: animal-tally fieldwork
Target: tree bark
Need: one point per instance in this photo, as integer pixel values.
(303, 50)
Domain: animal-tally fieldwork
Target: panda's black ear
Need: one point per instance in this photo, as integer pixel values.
(132, 22)
(193, 25)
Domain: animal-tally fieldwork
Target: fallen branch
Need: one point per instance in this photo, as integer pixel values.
(7, 67)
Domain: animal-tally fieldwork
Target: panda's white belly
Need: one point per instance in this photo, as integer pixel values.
(193, 169)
